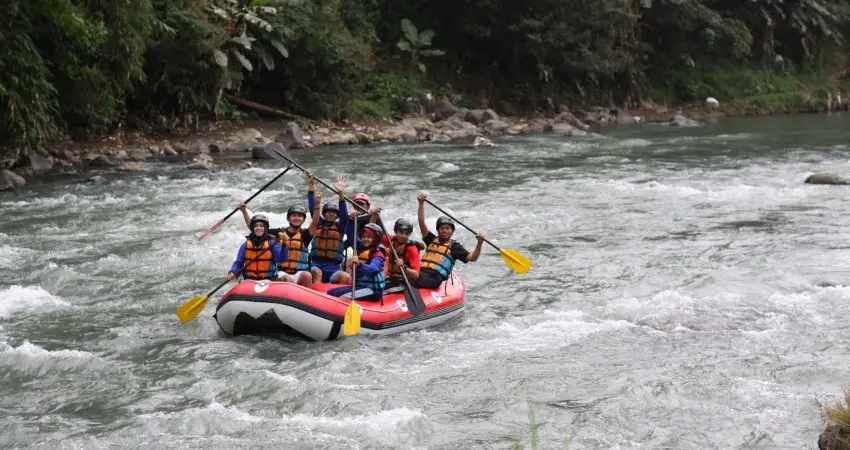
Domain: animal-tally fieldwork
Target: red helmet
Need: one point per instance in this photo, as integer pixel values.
(362, 197)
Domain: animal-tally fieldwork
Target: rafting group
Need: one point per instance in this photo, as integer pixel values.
(291, 275)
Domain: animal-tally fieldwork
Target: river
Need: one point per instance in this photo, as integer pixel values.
(688, 291)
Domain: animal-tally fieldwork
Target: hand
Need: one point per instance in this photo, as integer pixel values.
(355, 261)
(284, 238)
(480, 237)
(422, 196)
(352, 216)
(309, 175)
(340, 187)
(231, 275)
(318, 196)
(373, 210)
(399, 262)
(242, 206)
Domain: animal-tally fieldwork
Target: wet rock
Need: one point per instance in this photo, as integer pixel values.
(400, 132)
(463, 133)
(95, 179)
(443, 110)
(38, 163)
(363, 138)
(180, 147)
(247, 134)
(201, 162)
(291, 136)
(10, 180)
(487, 115)
(474, 116)
(168, 151)
(103, 161)
(198, 148)
(139, 155)
(246, 165)
(563, 128)
(217, 147)
(825, 178)
(482, 142)
(571, 119)
(241, 146)
(679, 120)
(495, 126)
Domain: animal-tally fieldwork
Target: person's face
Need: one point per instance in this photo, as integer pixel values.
(402, 236)
(259, 229)
(361, 204)
(297, 219)
(331, 215)
(366, 239)
(445, 231)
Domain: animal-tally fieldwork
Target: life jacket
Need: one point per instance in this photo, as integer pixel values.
(298, 258)
(401, 250)
(376, 281)
(328, 244)
(438, 257)
(264, 267)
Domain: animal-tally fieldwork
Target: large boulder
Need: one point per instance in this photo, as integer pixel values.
(443, 110)
(38, 163)
(290, 136)
(825, 178)
(10, 180)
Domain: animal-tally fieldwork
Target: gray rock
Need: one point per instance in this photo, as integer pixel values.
(443, 110)
(488, 114)
(102, 161)
(247, 134)
(38, 163)
(826, 178)
(241, 146)
(474, 116)
(290, 136)
(10, 180)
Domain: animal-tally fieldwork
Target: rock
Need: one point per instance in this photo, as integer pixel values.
(402, 132)
(102, 161)
(95, 179)
(474, 116)
(488, 114)
(712, 102)
(440, 138)
(679, 120)
(624, 118)
(363, 138)
(563, 128)
(342, 138)
(38, 163)
(463, 133)
(180, 147)
(201, 162)
(246, 165)
(570, 118)
(259, 152)
(131, 166)
(290, 136)
(825, 178)
(495, 126)
(241, 146)
(139, 155)
(247, 134)
(217, 147)
(10, 180)
(168, 151)
(482, 142)
(539, 126)
(198, 148)
(443, 110)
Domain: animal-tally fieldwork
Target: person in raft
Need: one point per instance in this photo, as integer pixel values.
(370, 282)
(408, 254)
(296, 267)
(442, 251)
(262, 246)
(328, 233)
(362, 200)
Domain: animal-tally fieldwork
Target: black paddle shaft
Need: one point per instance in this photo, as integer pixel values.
(270, 148)
(415, 303)
(265, 186)
(460, 223)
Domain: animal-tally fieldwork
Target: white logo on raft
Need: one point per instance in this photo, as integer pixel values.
(261, 286)
(437, 297)
(402, 305)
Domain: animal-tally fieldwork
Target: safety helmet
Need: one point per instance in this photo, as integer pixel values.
(379, 232)
(444, 220)
(330, 207)
(296, 209)
(362, 197)
(403, 225)
(259, 218)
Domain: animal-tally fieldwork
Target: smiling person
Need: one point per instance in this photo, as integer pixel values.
(370, 282)
(328, 231)
(408, 252)
(442, 251)
(262, 246)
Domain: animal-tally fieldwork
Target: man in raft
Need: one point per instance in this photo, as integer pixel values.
(262, 246)
(442, 251)
(408, 254)
(370, 281)
(328, 234)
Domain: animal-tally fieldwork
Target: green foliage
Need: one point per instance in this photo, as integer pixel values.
(417, 44)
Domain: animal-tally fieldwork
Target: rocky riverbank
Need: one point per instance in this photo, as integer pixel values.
(443, 123)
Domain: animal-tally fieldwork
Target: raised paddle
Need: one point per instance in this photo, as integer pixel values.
(513, 258)
(351, 321)
(277, 151)
(195, 305)
(412, 296)
(220, 222)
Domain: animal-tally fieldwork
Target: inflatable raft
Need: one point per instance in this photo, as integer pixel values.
(259, 307)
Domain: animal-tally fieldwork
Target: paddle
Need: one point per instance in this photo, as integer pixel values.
(513, 258)
(351, 321)
(220, 222)
(195, 305)
(275, 150)
(412, 296)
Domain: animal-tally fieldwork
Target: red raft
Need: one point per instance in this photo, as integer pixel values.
(259, 307)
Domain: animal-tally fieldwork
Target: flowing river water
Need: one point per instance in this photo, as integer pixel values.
(688, 291)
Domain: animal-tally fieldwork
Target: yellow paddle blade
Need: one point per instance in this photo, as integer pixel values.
(192, 308)
(516, 260)
(351, 323)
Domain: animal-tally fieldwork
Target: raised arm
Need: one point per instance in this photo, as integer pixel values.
(317, 213)
(245, 214)
(477, 251)
(423, 228)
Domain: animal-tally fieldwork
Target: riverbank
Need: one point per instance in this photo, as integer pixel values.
(196, 148)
